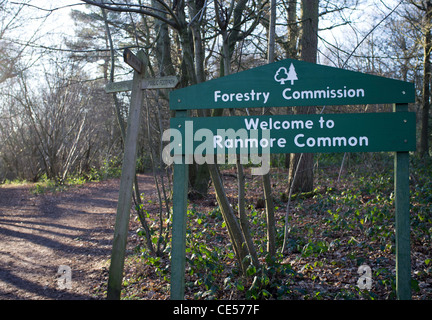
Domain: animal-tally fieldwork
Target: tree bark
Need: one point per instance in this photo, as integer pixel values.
(308, 52)
(291, 49)
(230, 219)
(163, 43)
(198, 174)
(240, 236)
(268, 198)
(425, 108)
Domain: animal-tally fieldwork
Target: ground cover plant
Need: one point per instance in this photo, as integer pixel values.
(347, 222)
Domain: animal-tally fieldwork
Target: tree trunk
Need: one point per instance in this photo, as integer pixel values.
(427, 46)
(200, 176)
(230, 219)
(268, 198)
(240, 236)
(163, 43)
(303, 181)
(244, 222)
(188, 67)
(291, 49)
(193, 73)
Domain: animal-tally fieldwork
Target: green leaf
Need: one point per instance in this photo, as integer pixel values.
(415, 285)
(265, 293)
(251, 270)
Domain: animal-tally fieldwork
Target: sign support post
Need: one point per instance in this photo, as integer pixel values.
(126, 183)
(402, 220)
(178, 258)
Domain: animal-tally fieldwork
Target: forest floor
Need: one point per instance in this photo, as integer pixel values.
(332, 232)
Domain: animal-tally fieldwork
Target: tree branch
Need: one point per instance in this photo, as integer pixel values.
(119, 7)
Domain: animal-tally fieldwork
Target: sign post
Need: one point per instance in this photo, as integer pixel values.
(402, 219)
(290, 83)
(178, 258)
(138, 63)
(126, 181)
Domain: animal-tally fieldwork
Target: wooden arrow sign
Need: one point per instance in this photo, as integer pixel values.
(132, 60)
(167, 82)
(119, 86)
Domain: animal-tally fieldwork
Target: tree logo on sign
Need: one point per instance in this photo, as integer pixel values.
(282, 75)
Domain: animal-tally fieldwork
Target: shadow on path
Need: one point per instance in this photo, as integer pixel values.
(38, 233)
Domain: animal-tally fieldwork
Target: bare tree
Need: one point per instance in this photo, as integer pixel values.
(10, 52)
(300, 177)
(425, 8)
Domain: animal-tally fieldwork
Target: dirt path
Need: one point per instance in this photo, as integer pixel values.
(39, 233)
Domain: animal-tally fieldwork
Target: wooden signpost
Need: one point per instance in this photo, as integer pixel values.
(138, 63)
(167, 82)
(296, 83)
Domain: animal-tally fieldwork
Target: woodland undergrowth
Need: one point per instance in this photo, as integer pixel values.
(346, 222)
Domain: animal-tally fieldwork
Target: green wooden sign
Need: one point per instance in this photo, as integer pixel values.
(292, 83)
(355, 132)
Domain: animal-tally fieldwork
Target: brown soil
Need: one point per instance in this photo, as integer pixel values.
(39, 233)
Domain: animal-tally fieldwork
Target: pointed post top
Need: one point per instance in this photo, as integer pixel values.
(132, 60)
